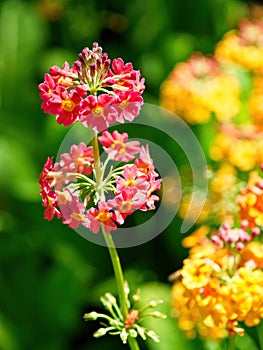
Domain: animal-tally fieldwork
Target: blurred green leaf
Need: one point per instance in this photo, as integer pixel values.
(8, 340)
(59, 302)
(245, 342)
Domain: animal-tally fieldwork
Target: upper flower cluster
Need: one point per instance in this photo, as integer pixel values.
(71, 190)
(93, 91)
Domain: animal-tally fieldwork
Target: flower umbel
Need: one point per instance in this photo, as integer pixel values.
(199, 87)
(70, 190)
(93, 91)
(220, 286)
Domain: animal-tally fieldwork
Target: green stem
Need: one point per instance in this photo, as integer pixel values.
(117, 271)
(96, 154)
(260, 335)
(111, 246)
(231, 343)
(119, 281)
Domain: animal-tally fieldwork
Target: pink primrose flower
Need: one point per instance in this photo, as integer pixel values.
(97, 112)
(125, 151)
(79, 93)
(49, 197)
(128, 105)
(101, 216)
(126, 202)
(72, 210)
(130, 179)
(79, 160)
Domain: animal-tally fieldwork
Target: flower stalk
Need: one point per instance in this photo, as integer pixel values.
(98, 93)
(111, 246)
(119, 282)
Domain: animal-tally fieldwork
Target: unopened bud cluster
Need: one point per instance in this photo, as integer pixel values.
(130, 325)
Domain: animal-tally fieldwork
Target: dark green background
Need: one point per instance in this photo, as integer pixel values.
(49, 275)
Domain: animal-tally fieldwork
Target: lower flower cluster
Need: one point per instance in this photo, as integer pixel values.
(81, 192)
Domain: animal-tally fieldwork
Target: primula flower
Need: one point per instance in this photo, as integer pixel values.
(220, 205)
(198, 88)
(92, 91)
(222, 294)
(220, 285)
(97, 112)
(247, 153)
(69, 184)
(131, 178)
(79, 160)
(101, 216)
(49, 197)
(250, 201)
(125, 151)
(256, 101)
(126, 202)
(72, 211)
(128, 105)
(243, 46)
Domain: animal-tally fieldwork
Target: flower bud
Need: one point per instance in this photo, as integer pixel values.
(133, 333)
(158, 314)
(153, 336)
(91, 316)
(124, 335)
(100, 332)
(136, 297)
(154, 303)
(110, 298)
(106, 303)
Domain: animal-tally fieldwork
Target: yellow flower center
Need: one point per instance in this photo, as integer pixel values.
(103, 216)
(126, 207)
(123, 104)
(119, 145)
(68, 105)
(130, 183)
(97, 111)
(77, 216)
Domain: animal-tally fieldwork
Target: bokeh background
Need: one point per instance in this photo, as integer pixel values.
(49, 275)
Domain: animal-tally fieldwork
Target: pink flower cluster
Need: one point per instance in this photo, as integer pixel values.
(235, 237)
(93, 91)
(69, 191)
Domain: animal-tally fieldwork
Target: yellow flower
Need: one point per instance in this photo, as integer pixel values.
(250, 201)
(248, 150)
(196, 273)
(220, 205)
(243, 46)
(253, 253)
(217, 291)
(256, 101)
(197, 88)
